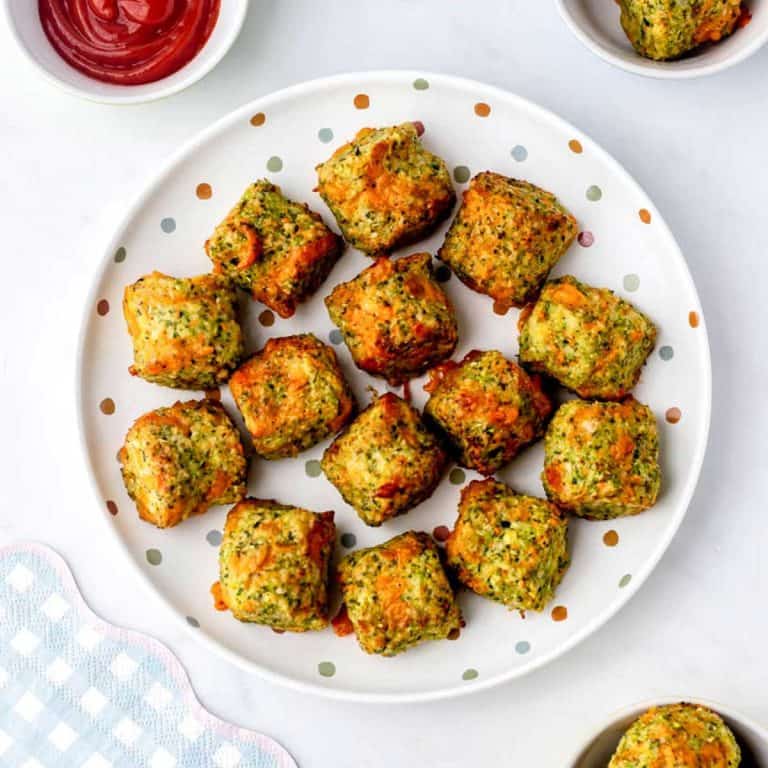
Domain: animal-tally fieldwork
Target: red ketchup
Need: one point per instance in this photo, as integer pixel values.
(128, 42)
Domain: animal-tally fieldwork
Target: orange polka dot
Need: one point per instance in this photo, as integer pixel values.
(361, 101)
(559, 613)
(482, 109)
(575, 146)
(693, 319)
(645, 215)
(107, 406)
(102, 307)
(610, 538)
(112, 507)
(673, 415)
(204, 191)
(258, 119)
(442, 532)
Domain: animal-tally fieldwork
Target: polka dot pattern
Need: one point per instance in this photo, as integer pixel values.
(441, 533)
(519, 153)
(274, 164)
(107, 406)
(645, 215)
(594, 193)
(112, 508)
(442, 274)
(258, 119)
(348, 540)
(610, 538)
(522, 647)
(666, 353)
(154, 556)
(631, 283)
(457, 476)
(193, 622)
(673, 415)
(102, 308)
(482, 109)
(469, 674)
(325, 135)
(559, 613)
(361, 101)
(204, 191)
(335, 336)
(267, 318)
(120, 255)
(693, 319)
(461, 174)
(586, 239)
(213, 537)
(168, 225)
(624, 580)
(575, 146)
(313, 468)
(326, 668)
(420, 84)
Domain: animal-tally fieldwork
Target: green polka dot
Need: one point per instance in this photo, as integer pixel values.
(326, 668)
(193, 622)
(420, 84)
(631, 282)
(457, 476)
(461, 174)
(168, 225)
(348, 540)
(335, 336)
(666, 353)
(313, 468)
(519, 153)
(154, 556)
(120, 255)
(625, 579)
(274, 164)
(325, 135)
(594, 193)
(522, 647)
(469, 674)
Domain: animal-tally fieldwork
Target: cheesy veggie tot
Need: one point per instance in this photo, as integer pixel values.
(678, 736)
(395, 318)
(386, 462)
(397, 594)
(508, 547)
(181, 460)
(587, 338)
(667, 29)
(487, 408)
(384, 189)
(276, 249)
(184, 330)
(273, 565)
(292, 394)
(601, 460)
(506, 237)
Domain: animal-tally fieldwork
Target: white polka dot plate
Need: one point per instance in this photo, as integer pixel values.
(624, 245)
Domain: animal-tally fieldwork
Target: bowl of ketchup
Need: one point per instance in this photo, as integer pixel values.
(125, 51)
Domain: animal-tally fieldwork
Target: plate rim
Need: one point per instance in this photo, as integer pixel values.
(262, 103)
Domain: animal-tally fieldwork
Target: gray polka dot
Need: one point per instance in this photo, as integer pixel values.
(325, 135)
(313, 468)
(666, 353)
(120, 255)
(274, 164)
(213, 538)
(326, 668)
(522, 647)
(335, 336)
(625, 579)
(193, 622)
(520, 153)
(631, 282)
(420, 84)
(469, 674)
(168, 225)
(594, 193)
(348, 540)
(154, 556)
(461, 174)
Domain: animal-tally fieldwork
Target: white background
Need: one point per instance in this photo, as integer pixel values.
(699, 626)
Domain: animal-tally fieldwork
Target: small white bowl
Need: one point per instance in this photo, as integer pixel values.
(24, 22)
(596, 24)
(597, 750)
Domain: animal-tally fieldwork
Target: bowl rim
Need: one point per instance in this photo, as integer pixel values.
(262, 104)
(635, 710)
(643, 66)
(153, 91)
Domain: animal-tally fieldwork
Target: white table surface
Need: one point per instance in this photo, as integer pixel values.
(699, 625)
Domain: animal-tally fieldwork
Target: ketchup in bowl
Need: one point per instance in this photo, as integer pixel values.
(128, 42)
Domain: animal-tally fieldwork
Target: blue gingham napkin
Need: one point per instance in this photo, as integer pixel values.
(76, 691)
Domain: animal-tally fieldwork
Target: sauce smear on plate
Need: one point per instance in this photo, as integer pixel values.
(128, 42)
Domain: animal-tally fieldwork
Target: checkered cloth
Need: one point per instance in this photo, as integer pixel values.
(76, 691)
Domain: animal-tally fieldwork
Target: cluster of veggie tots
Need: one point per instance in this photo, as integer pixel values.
(386, 190)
